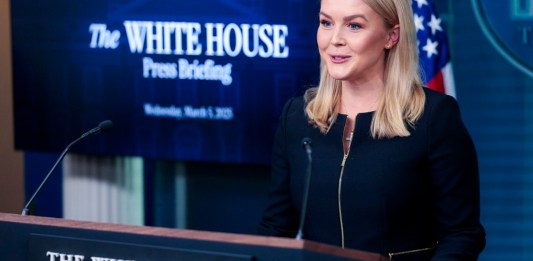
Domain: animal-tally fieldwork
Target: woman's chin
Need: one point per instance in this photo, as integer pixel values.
(338, 76)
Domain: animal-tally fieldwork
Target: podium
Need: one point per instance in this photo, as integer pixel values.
(42, 238)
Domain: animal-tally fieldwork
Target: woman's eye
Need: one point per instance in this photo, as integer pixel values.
(325, 23)
(353, 26)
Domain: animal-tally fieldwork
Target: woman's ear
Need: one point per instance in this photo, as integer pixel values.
(393, 36)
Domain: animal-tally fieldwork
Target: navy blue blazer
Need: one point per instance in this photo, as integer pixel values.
(416, 194)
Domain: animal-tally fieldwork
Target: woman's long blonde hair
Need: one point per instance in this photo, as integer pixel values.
(403, 98)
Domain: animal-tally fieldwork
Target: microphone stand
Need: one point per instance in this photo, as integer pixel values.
(306, 142)
(102, 126)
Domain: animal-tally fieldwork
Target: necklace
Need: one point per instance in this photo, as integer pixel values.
(350, 136)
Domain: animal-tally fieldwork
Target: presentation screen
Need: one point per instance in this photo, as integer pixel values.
(201, 80)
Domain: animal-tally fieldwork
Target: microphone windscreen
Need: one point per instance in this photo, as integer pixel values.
(105, 125)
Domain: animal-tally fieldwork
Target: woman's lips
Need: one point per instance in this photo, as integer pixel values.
(339, 58)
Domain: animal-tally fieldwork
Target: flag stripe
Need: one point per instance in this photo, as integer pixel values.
(449, 81)
(437, 83)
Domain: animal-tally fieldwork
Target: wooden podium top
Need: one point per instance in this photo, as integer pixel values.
(240, 239)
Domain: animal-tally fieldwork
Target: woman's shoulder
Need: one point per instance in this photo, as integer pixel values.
(294, 105)
(440, 107)
(293, 114)
(437, 100)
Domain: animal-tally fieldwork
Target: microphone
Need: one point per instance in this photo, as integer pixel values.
(306, 143)
(104, 125)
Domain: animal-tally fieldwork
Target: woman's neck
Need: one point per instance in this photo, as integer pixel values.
(359, 98)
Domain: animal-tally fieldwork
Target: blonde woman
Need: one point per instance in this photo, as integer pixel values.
(394, 170)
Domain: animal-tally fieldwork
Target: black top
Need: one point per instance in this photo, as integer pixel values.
(396, 195)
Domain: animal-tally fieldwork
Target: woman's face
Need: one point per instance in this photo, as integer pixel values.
(352, 39)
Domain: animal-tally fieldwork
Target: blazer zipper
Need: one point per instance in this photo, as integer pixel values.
(339, 190)
(391, 255)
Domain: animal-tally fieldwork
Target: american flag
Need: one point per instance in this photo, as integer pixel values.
(433, 48)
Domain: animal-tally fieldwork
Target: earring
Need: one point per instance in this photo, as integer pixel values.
(387, 46)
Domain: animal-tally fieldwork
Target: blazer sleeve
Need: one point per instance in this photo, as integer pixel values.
(455, 181)
(280, 218)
